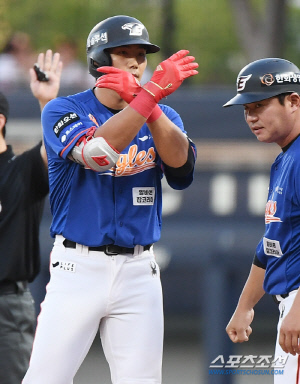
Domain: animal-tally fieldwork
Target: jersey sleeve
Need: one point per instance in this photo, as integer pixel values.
(257, 262)
(63, 124)
(259, 257)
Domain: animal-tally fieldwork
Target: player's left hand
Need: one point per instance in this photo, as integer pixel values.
(170, 74)
(124, 83)
(51, 64)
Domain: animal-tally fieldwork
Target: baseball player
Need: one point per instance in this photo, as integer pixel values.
(269, 91)
(108, 149)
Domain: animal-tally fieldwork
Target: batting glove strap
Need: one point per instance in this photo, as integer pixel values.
(155, 89)
(143, 103)
(156, 113)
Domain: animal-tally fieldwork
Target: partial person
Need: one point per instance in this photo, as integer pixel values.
(108, 149)
(269, 91)
(16, 59)
(74, 74)
(23, 188)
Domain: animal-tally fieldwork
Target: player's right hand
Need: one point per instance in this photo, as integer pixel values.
(170, 74)
(238, 328)
(45, 91)
(124, 83)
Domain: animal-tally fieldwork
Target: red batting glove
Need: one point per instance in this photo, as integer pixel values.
(169, 74)
(124, 83)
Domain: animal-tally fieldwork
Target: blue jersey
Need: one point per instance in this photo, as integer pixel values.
(121, 206)
(279, 249)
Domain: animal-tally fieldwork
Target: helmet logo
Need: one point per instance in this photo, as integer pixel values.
(268, 79)
(241, 82)
(135, 29)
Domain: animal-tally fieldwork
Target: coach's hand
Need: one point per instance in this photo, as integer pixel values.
(170, 74)
(124, 83)
(238, 328)
(289, 334)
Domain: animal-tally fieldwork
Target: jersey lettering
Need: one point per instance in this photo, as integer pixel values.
(135, 162)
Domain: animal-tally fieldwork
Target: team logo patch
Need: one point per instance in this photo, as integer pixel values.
(267, 79)
(64, 121)
(241, 82)
(64, 266)
(135, 29)
(153, 268)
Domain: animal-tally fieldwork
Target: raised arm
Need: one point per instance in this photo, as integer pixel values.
(45, 91)
(172, 145)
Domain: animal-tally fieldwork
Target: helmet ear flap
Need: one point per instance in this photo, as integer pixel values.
(101, 60)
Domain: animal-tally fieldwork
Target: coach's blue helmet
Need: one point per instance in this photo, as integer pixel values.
(114, 32)
(265, 78)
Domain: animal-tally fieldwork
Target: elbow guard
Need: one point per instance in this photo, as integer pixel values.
(95, 153)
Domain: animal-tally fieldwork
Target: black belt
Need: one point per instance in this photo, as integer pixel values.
(277, 298)
(109, 250)
(10, 287)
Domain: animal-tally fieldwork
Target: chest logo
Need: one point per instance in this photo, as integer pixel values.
(271, 208)
(135, 162)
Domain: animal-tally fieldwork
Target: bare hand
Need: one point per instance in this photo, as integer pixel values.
(238, 328)
(52, 65)
(289, 334)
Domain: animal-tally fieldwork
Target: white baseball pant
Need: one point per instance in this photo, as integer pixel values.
(89, 290)
(289, 364)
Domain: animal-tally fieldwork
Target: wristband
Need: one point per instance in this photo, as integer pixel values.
(156, 113)
(143, 103)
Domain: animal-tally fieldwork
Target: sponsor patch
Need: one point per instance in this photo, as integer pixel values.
(272, 247)
(143, 195)
(64, 266)
(64, 121)
(269, 79)
(97, 38)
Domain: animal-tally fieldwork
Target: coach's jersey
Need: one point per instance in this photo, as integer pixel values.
(121, 206)
(279, 249)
